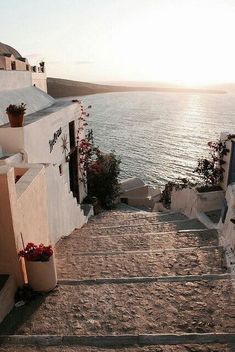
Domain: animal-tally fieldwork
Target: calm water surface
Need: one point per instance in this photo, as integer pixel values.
(159, 136)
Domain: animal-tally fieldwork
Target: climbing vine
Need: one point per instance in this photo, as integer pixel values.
(98, 171)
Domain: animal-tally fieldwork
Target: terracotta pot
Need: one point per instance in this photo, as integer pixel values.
(42, 275)
(16, 120)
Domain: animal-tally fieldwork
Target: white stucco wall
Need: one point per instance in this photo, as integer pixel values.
(226, 158)
(40, 80)
(15, 79)
(9, 263)
(38, 134)
(228, 228)
(63, 211)
(23, 209)
(12, 140)
(32, 140)
(31, 204)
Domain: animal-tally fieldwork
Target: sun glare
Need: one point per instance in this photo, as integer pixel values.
(188, 46)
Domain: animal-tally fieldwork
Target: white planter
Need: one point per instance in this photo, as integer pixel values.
(42, 275)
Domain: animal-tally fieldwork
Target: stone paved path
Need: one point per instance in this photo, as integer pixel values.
(159, 348)
(125, 275)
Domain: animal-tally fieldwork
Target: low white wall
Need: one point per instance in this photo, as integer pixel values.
(207, 201)
(15, 79)
(190, 202)
(184, 201)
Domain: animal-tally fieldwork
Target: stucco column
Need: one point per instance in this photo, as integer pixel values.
(9, 263)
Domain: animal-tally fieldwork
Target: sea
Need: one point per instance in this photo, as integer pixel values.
(159, 136)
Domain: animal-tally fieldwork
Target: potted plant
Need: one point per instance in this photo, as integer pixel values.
(16, 114)
(40, 266)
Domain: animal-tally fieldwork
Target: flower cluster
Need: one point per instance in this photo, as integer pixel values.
(36, 253)
(16, 110)
(95, 167)
(88, 155)
(85, 146)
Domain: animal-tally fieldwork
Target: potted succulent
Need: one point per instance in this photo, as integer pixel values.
(16, 114)
(40, 266)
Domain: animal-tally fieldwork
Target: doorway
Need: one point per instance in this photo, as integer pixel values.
(73, 162)
(231, 175)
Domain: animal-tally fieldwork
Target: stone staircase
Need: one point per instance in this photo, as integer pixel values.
(132, 281)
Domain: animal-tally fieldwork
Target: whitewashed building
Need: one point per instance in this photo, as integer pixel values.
(40, 191)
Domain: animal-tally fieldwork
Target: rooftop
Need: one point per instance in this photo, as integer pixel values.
(30, 118)
(34, 98)
(7, 49)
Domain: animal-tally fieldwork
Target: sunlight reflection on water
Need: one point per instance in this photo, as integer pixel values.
(159, 136)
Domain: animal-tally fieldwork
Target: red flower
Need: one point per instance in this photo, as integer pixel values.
(38, 253)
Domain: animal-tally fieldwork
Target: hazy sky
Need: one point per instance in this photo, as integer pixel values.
(187, 41)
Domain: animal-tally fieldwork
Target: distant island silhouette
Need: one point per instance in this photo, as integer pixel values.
(58, 87)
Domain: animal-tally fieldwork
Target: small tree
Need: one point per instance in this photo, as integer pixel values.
(211, 170)
(99, 171)
(102, 178)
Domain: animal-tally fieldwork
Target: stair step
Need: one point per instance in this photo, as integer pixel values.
(128, 241)
(134, 222)
(153, 227)
(124, 343)
(130, 219)
(129, 215)
(133, 282)
(149, 251)
(146, 279)
(199, 307)
(194, 261)
(171, 221)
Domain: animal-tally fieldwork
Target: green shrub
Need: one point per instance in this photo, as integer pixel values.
(102, 179)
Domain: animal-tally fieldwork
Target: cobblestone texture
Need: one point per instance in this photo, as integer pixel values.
(140, 229)
(137, 219)
(132, 308)
(78, 242)
(191, 307)
(192, 262)
(166, 348)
